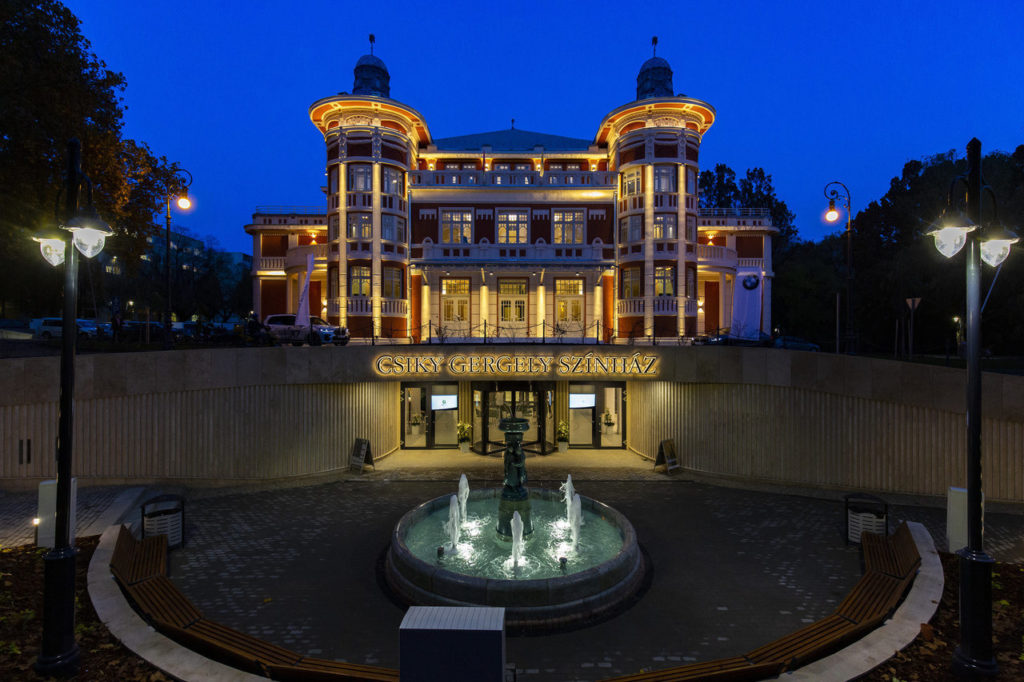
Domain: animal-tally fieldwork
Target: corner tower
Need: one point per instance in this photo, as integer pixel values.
(371, 141)
(653, 144)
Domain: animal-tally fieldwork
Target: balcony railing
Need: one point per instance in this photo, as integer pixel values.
(297, 255)
(561, 179)
(269, 263)
(690, 309)
(359, 305)
(734, 212)
(631, 306)
(495, 253)
(665, 305)
(334, 307)
(754, 263)
(394, 306)
(716, 256)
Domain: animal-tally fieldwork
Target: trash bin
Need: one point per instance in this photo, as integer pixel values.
(165, 515)
(865, 513)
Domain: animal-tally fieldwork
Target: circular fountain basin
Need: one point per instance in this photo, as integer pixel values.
(603, 571)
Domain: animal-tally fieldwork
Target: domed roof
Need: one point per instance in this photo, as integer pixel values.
(654, 79)
(371, 60)
(372, 77)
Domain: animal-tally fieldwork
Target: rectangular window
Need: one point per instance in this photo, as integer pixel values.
(691, 181)
(567, 227)
(502, 167)
(391, 180)
(631, 228)
(512, 287)
(512, 299)
(664, 281)
(456, 227)
(665, 178)
(360, 226)
(569, 287)
(664, 225)
(332, 228)
(360, 177)
(332, 180)
(632, 182)
(451, 287)
(569, 304)
(392, 228)
(522, 167)
(691, 228)
(359, 281)
(513, 227)
(632, 283)
(391, 282)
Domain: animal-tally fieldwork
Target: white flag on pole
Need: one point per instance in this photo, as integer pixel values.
(302, 315)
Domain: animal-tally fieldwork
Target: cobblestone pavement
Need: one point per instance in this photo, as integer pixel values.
(730, 569)
(18, 509)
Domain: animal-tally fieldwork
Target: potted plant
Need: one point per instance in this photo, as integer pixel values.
(562, 435)
(608, 421)
(465, 435)
(416, 422)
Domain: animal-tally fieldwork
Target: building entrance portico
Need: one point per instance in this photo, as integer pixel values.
(493, 401)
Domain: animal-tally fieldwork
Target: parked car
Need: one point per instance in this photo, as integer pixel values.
(136, 332)
(794, 343)
(88, 329)
(47, 327)
(726, 339)
(340, 335)
(283, 329)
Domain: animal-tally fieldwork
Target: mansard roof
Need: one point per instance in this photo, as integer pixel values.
(512, 140)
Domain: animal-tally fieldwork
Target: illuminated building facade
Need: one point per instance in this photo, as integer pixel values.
(515, 236)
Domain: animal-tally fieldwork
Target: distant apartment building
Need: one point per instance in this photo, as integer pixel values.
(515, 235)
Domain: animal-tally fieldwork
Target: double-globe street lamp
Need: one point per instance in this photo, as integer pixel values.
(832, 215)
(991, 243)
(59, 653)
(176, 189)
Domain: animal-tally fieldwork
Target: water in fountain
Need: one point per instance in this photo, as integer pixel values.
(453, 527)
(568, 491)
(575, 519)
(463, 496)
(517, 538)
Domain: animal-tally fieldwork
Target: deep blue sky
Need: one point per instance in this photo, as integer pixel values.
(812, 92)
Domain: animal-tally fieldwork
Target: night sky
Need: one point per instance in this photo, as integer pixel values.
(812, 92)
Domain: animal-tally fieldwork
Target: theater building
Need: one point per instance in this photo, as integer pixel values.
(515, 237)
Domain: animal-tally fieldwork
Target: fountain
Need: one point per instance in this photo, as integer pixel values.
(518, 548)
(463, 495)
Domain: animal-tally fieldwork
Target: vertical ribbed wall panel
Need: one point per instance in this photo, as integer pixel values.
(805, 437)
(248, 432)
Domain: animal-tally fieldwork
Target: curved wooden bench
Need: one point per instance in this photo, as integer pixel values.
(133, 561)
(322, 670)
(891, 563)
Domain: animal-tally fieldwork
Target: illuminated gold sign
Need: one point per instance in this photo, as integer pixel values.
(497, 364)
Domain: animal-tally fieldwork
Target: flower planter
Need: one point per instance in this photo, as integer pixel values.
(563, 446)
(464, 446)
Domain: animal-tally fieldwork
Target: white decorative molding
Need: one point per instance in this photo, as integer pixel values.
(428, 214)
(597, 214)
(542, 213)
(485, 213)
(357, 120)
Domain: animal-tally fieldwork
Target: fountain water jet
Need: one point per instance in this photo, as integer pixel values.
(568, 491)
(575, 519)
(453, 526)
(517, 539)
(463, 496)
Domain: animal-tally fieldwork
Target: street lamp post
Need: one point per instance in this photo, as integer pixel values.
(832, 215)
(59, 652)
(992, 244)
(178, 188)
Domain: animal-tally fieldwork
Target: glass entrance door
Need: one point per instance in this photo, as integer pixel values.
(521, 399)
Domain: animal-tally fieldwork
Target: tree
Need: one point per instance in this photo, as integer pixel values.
(52, 88)
(718, 189)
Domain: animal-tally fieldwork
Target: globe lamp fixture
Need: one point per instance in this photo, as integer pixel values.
(832, 214)
(996, 244)
(52, 249)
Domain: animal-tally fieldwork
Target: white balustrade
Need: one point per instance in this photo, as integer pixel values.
(271, 263)
(360, 305)
(529, 252)
(393, 306)
(665, 305)
(631, 306)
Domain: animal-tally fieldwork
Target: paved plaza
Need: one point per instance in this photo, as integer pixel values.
(729, 568)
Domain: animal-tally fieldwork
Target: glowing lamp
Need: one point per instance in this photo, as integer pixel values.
(52, 249)
(184, 203)
(996, 245)
(88, 233)
(832, 214)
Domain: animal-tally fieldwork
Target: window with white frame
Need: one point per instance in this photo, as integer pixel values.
(392, 228)
(391, 282)
(664, 280)
(691, 181)
(391, 180)
(632, 283)
(332, 227)
(567, 227)
(664, 225)
(631, 228)
(632, 182)
(360, 177)
(513, 227)
(359, 280)
(457, 227)
(568, 300)
(360, 226)
(691, 228)
(665, 178)
(512, 300)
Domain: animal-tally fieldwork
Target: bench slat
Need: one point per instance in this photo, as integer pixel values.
(322, 670)
(230, 646)
(736, 669)
(158, 598)
(871, 599)
(807, 643)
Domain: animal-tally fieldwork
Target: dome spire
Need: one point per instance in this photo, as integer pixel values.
(655, 77)
(372, 77)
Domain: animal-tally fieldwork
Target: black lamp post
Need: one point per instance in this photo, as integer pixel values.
(991, 244)
(178, 188)
(831, 216)
(59, 653)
